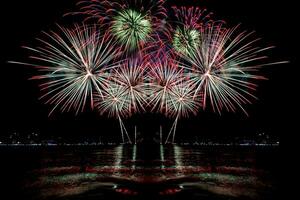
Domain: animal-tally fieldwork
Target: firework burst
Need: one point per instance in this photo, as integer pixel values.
(224, 67)
(163, 75)
(186, 40)
(182, 101)
(72, 66)
(171, 92)
(132, 22)
(115, 104)
(192, 17)
(187, 34)
(181, 104)
(147, 61)
(131, 77)
(125, 93)
(132, 29)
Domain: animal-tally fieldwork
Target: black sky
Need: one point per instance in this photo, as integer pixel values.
(23, 21)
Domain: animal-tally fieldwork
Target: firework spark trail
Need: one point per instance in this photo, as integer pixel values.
(186, 34)
(145, 62)
(131, 77)
(223, 67)
(116, 105)
(182, 101)
(132, 29)
(186, 40)
(105, 10)
(132, 22)
(181, 104)
(72, 66)
(125, 94)
(192, 17)
(162, 77)
(170, 93)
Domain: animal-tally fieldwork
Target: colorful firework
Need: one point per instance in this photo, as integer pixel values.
(116, 105)
(132, 29)
(182, 101)
(223, 67)
(173, 68)
(162, 77)
(181, 104)
(125, 94)
(72, 66)
(186, 40)
(192, 17)
(170, 92)
(131, 77)
(132, 22)
(190, 21)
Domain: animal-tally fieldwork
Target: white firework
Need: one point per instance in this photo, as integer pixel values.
(72, 65)
(223, 67)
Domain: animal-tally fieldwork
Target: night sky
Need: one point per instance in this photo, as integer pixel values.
(23, 21)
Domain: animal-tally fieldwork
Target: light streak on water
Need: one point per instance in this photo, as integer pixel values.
(134, 151)
(162, 156)
(118, 157)
(178, 156)
(123, 167)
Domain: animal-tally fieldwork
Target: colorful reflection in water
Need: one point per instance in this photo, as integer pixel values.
(162, 171)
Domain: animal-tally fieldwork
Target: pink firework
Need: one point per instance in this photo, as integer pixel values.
(192, 17)
(104, 11)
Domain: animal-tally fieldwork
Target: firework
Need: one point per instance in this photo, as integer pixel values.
(132, 22)
(182, 101)
(147, 62)
(181, 104)
(163, 75)
(192, 17)
(224, 67)
(125, 93)
(190, 21)
(131, 28)
(186, 40)
(170, 92)
(131, 77)
(72, 66)
(115, 104)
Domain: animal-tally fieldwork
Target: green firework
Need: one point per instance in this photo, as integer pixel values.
(185, 40)
(131, 28)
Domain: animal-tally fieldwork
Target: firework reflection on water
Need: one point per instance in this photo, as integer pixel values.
(231, 172)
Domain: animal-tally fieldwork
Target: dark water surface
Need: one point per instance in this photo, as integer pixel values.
(139, 172)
